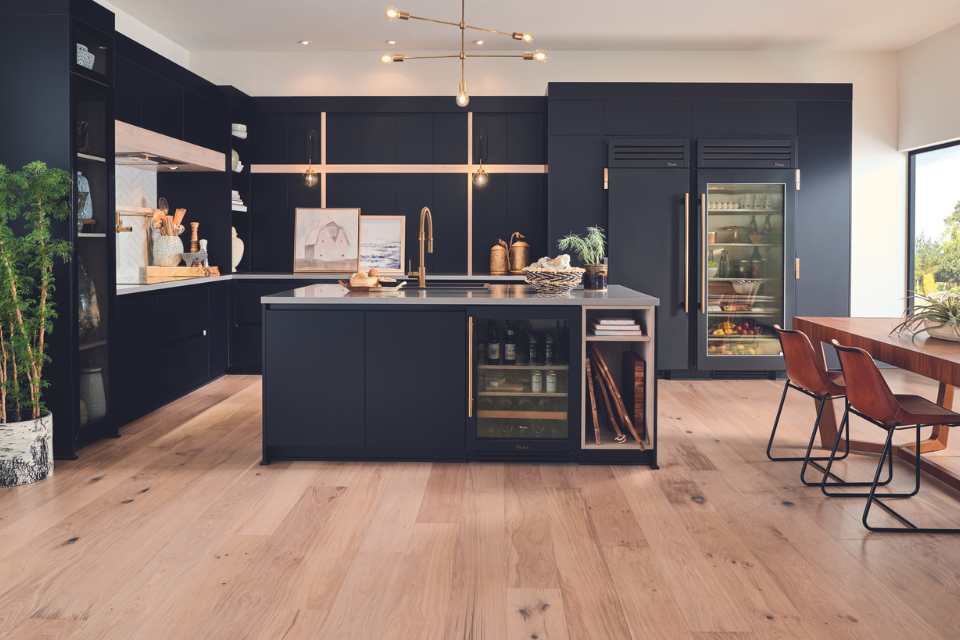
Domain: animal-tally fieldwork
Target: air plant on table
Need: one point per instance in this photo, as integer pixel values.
(938, 315)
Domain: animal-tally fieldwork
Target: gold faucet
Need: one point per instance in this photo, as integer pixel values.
(424, 238)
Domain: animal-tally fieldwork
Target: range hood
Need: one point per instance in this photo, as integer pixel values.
(147, 149)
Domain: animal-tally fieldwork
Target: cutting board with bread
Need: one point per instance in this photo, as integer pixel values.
(372, 281)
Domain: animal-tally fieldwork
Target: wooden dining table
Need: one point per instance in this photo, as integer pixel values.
(929, 357)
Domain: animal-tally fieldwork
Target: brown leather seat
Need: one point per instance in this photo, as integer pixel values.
(869, 396)
(869, 393)
(806, 366)
(806, 372)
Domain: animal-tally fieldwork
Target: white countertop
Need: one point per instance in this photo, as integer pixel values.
(496, 294)
(124, 289)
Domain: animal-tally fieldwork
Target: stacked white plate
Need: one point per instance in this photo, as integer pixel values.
(239, 130)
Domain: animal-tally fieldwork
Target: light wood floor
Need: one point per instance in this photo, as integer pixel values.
(174, 531)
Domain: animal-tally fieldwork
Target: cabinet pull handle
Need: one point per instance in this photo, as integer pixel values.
(606, 179)
(796, 268)
(469, 366)
(686, 253)
(703, 253)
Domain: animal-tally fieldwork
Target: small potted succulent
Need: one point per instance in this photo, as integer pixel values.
(30, 201)
(938, 315)
(591, 249)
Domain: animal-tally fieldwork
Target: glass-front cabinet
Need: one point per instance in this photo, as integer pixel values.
(747, 279)
(523, 384)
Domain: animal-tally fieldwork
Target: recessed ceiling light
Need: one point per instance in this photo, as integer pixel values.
(391, 42)
(303, 42)
(478, 42)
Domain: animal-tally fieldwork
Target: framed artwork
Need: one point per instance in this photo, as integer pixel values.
(383, 244)
(326, 240)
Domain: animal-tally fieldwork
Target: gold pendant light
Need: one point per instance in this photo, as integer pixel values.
(463, 98)
(310, 176)
(481, 177)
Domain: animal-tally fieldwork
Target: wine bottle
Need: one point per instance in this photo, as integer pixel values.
(548, 344)
(493, 345)
(532, 350)
(510, 346)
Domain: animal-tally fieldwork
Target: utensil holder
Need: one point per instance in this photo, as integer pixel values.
(167, 251)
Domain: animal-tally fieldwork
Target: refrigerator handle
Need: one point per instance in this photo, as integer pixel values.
(469, 366)
(703, 253)
(686, 253)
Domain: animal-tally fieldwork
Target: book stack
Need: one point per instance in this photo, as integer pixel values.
(616, 327)
(237, 203)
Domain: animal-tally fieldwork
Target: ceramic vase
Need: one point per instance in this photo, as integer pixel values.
(236, 248)
(92, 393)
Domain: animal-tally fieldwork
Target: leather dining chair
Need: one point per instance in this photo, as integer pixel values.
(806, 372)
(869, 397)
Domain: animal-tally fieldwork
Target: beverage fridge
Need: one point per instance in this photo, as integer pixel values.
(713, 239)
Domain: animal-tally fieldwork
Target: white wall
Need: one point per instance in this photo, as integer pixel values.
(930, 91)
(136, 30)
(879, 170)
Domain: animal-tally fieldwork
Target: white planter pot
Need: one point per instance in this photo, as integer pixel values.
(946, 332)
(26, 451)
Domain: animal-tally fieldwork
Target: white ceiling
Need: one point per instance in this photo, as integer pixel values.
(277, 25)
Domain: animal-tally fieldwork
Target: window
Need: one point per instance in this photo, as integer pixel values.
(934, 220)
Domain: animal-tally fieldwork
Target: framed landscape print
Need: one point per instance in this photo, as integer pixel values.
(326, 240)
(382, 243)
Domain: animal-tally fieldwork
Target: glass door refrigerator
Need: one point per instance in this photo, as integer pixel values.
(747, 272)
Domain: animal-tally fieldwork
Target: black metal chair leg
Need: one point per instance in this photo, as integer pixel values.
(873, 498)
(805, 458)
(809, 460)
(845, 423)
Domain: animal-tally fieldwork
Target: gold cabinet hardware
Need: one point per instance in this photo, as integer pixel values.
(703, 253)
(686, 253)
(606, 179)
(469, 366)
(796, 268)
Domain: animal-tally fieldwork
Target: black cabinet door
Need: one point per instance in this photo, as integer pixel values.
(313, 381)
(219, 328)
(823, 209)
(575, 195)
(205, 119)
(649, 235)
(161, 103)
(126, 95)
(416, 383)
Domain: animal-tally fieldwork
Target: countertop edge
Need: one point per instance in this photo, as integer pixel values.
(624, 297)
(128, 289)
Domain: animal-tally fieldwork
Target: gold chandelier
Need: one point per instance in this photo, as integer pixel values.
(463, 98)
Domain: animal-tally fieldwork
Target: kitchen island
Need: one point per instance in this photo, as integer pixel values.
(484, 372)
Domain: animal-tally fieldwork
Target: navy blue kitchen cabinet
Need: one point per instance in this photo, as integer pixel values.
(415, 383)
(315, 368)
(167, 343)
(575, 192)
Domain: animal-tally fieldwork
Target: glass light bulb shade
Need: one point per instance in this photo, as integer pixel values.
(386, 58)
(481, 178)
(527, 37)
(462, 98)
(540, 56)
(310, 178)
(392, 13)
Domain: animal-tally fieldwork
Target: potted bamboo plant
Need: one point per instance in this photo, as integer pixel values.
(31, 200)
(591, 249)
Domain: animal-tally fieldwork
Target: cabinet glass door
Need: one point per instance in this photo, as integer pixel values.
(522, 379)
(745, 226)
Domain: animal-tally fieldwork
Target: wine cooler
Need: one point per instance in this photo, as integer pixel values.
(747, 267)
(524, 381)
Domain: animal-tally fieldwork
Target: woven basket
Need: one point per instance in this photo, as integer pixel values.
(554, 281)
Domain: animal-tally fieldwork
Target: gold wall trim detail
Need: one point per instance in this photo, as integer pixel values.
(399, 168)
